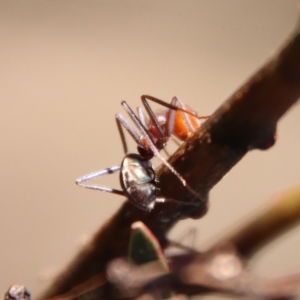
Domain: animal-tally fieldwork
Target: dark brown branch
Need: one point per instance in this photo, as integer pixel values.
(244, 122)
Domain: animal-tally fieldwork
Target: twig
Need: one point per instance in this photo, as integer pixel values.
(219, 270)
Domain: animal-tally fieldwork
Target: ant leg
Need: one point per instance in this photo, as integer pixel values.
(122, 122)
(152, 116)
(171, 106)
(122, 136)
(97, 174)
(171, 113)
(161, 102)
(163, 200)
(171, 121)
(141, 116)
(137, 122)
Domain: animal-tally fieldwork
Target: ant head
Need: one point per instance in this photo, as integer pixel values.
(138, 181)
(159, 143)
(145, 152)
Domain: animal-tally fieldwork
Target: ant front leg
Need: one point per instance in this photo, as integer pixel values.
(153, 117)
(97, 174)
(121, 122)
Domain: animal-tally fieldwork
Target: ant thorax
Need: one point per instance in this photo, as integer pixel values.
(145, 150)
(158, 140)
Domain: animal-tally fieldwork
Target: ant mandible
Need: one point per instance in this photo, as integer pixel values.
(137, 175)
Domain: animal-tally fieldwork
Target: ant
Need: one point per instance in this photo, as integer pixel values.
(137, 175)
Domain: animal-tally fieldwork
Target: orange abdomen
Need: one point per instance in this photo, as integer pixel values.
(181, 129)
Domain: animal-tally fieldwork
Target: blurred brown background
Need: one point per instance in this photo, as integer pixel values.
(65, 67)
